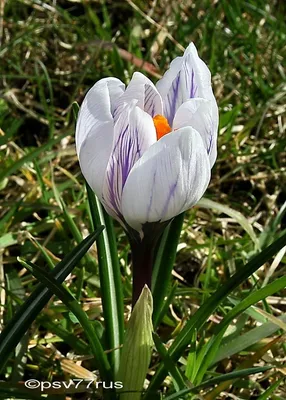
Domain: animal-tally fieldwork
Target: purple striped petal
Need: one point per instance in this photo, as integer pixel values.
(198, 114)
(170, 177)
(144, 91)
(188, 77)
(94, 130)
(134, 133)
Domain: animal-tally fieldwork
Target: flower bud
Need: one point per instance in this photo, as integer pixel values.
(137, 348)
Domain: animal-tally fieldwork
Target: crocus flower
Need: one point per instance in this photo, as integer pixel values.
(145, 150)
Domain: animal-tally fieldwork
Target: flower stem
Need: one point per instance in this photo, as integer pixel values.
(143, 255)
(142, 264)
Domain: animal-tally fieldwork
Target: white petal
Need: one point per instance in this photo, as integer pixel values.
(168, 179)
(134, 133)
(144, 91)
(97, 106)
(187, 77)
(94, 130)
(198, 114)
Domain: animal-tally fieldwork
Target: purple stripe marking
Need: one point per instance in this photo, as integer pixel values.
(211, 138)
(149, 101)
(151, 196)
(125, 153)
(148, 93)
(194, 87)
(210, 143)
(171, 194)
(172, 98)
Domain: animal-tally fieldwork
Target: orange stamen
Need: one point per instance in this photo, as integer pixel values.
(161, 125)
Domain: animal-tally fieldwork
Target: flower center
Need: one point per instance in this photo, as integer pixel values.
(161, 125)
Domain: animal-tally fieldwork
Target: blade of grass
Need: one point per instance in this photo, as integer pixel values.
(271, 318)
(159, 316)
(47, 104)
(204, 312)
(72, 225)
(206, 282)
(11, 131)
(213, 381)
(41, 182)
(246, 340)
(109, 227)
(46, 256)
(16, 287)
(247, 363)
(237, 216)
(30, 156)
(6, 219)
(7, 391)
(192, 359)
(219, 330)
(74, 342)
(72, 304)
(270, 390)
(164, 264)
(179, 380)
(110, 280)
(27, 313)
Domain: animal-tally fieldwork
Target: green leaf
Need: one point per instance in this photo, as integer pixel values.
(271, 317)
(164, 264)
(110, 280)
(209, 352)
(253, 298)
(15, 285)
(246, 340)
(75, 108)
(204, 312)
(192, 362)
(218, 379)
(270, 390)
(27, 313)
(159, 316)
(266, 236)
(46, 256)
(72, 304)
(8, 239)
(73, 341)
(179, 380)
(238, 309)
